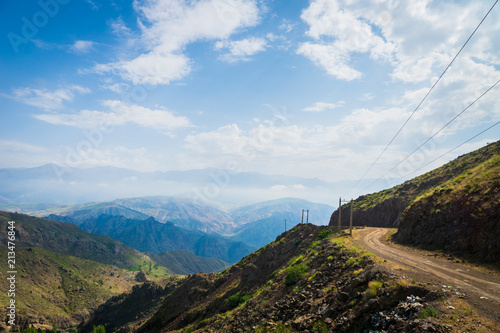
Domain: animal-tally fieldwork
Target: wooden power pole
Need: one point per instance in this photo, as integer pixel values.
(340, 214)
(350, 221)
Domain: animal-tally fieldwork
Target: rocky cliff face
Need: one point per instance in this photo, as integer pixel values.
(454, 208)
(461, 216)
(386, 213)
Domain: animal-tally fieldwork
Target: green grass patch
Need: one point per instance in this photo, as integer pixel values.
(295, 273)
(427, 312)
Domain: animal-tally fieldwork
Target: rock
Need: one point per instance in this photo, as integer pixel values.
(342, 297)
(141, 277)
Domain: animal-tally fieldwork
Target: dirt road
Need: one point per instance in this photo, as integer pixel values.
(481, 289)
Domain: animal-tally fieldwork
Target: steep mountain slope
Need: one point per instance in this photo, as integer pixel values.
(184, 262)
(182, 212)
(55, 288)
(152, 236)
(131, 309)
(452, 208)
(261, 223)
(304, 281)
(461, 216)
(68, 239)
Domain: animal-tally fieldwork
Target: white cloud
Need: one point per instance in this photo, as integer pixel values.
(119, 114)
(322, 106)
(119, 27)
(412, 36)
(45, 99)
(328, 19)
(241, 49)
(12, 145)
(167, 26)
(119, 88)
(82, 46)
(331, 59)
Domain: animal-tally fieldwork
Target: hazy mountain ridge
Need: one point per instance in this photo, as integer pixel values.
(152, 236)
(182, 212)
(255, 225)
(52, 183)
(261, 223)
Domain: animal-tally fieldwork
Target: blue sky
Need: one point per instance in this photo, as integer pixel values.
(300, 88)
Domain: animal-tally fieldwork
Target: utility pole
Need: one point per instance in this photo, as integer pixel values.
(340, 213)
(302, 222)
(307, 218)
(350, 221)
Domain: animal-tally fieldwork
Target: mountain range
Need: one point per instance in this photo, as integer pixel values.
(53, 184)
(203, 230)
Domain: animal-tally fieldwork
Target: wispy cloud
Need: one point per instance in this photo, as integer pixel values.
(240, 50)
(322, 106)
(82, 46)
(45, 99)
(118, 114)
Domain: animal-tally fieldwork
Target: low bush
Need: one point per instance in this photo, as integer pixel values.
(294, 274)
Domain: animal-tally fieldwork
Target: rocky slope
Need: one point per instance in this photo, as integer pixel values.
(458, 201)
(460, 216)
(304, 281)
(131, 309)
(184, 262)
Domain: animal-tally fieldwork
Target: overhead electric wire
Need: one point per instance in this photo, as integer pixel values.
(449, 151)
(430, 138)
(425, 97)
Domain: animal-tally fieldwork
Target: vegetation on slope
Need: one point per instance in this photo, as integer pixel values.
(460, 216)
(55, 288)
(305, 280)
(68, 239)
(453, 208)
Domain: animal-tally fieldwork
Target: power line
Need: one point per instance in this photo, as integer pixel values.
(449, 151)
(425, 97)
(430, 138)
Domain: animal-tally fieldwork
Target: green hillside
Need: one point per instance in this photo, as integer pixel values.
(68, 239)
(55, 288)
(454, 208)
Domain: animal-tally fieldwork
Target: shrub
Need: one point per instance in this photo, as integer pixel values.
(29, 330)
(373, 287)
(428, 311)
(324, 233)
(99, 329)
(294, 274)
(236, 300)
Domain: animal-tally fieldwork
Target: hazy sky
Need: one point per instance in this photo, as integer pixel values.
(301, 88)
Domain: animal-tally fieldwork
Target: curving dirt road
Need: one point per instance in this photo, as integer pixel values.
(482, 289)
